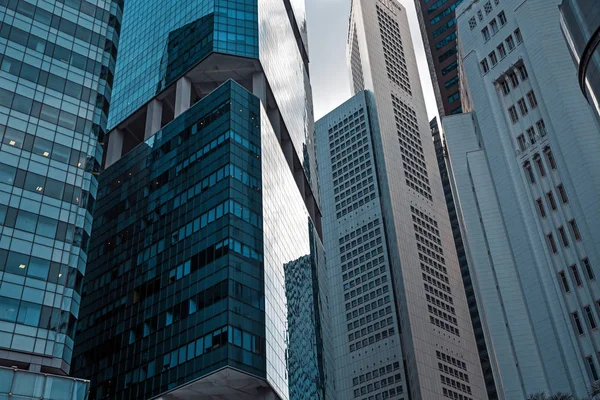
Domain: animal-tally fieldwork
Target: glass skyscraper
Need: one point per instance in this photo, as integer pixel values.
(57, 61)
(205, 199)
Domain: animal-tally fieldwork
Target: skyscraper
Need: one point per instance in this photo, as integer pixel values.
(525, 164)
(206, 199)
(57, 63)
(396, 295)
(438, 30)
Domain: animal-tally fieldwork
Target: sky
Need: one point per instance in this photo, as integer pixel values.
(327, 29)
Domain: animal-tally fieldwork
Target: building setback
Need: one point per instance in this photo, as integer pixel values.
(438, 30)
(57, 61)
(206, 204)
(525, 164)
(396, 295)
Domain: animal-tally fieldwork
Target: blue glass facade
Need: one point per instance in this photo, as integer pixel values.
(57, 60)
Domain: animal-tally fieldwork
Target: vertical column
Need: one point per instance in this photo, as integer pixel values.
(259, 87)
(153, 118)
(115, 147)
(183, 96)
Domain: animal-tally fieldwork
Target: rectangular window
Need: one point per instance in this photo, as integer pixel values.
(522, 142)
(576, 276)
(502, 18)
(550, 157)
(575, 229)
(577, 323)
(552, 243)
(531, 134)
(518, 35)
(551, 200)
(564, 281)
(494, 25)
(563, 236)
(532, 100)
(514, 117)
(514, 80)
(540, 205)
(588, 269)
(529, 172)
(486, 34)
(505, 87)
(510, 42)
(484, 65)
(540, 165)
(493, 58)
(541, 126)
(592, 368)
(590, 317)
(523, 72)
(563, 193)
(501, 50)
(523, 107)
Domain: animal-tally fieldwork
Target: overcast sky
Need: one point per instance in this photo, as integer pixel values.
(327, 29)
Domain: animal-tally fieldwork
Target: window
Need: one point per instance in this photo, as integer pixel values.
(518, 35)
(480, 15)
(588, 269)
(590, 317)
(551, 200)
(514, 117)
(529, 172)
(531, 134)
(493, 58)
(484, 66)
(513, 79)
(494, 25)
(592, 368)
(501, 50)
(552, 243)
(486, 34)
(563, 236)
(564, 281)
(452, 98)
(523, 107)
(472, 23)
(532, 100)
(541, 127)
(576, 276)
(550, 157)
(562, 193)
(575, 229)
(540, 166)
(487, 7)
(523, 72)
(510, 42)
(522, 142)
(505, 87)
(577, 323)
(541, 209)
(502, 18)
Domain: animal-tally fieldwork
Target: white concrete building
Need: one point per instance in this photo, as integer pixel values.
(396, 294)
(527, 186)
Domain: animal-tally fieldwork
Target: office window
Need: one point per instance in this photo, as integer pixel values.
(518, 35)
(576, 276)
(592, 368)
(563, 194)
(587, 266)
(531, 134)
(577, 323)
(505, 87)
(484, 65)
(493, 58)
(552, 243)
(529, 172)
(532, 100)
(502, 18)
(541, 127)
(523, 72)
(540, 166)
(563, 236)
(513, 79)
(486, 33)
(541, 209)
(522, 142)
(514, 117)
(501, 50)
(564, 281)
(452, 98)
(487, 7)
(551, 200)
(550, 157)
(575, 229)
(494, 25)
(472, 23)
(510, 42)
(590, 317)
(523, 107)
